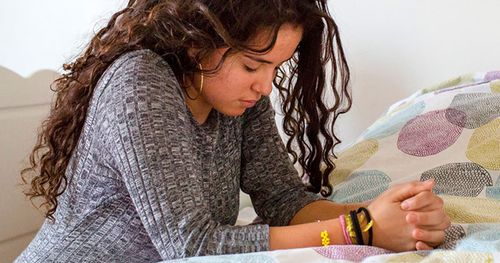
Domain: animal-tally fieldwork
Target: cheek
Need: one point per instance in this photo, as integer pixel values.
(229, 83)
(218, 91)
(216, 84)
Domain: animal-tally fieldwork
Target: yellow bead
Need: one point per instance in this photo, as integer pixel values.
(325, 240)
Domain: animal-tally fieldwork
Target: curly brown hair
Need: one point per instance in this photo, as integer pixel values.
(170, 28)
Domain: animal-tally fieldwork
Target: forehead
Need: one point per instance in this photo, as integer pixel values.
(287, 41)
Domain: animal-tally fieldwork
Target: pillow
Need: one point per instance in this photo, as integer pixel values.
(449, 132)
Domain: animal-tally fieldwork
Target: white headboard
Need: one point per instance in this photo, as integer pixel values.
(24, 102)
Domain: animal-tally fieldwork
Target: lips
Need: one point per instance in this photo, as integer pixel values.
(248, 103)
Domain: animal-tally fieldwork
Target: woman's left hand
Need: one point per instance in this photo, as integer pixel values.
(426, 212)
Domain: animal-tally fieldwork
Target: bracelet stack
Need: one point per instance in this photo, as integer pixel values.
(353, 225)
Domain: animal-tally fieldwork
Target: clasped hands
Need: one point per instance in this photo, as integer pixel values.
(409, 216)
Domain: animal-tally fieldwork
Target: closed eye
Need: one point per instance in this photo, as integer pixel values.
(249, 69)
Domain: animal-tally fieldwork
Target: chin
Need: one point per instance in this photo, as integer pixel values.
(233, 112)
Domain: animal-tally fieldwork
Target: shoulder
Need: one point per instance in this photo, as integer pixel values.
(139, 72)
(138, 69)
(138, 81)
(143, 59)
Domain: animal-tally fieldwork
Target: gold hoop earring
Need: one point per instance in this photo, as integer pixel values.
(201, 84)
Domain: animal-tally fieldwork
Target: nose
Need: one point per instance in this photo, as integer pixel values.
(263, 86)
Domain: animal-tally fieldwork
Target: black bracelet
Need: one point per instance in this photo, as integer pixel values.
(357, 228)
(368, 219)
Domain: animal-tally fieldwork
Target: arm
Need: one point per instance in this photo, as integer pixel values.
(305, 235)
(391, 229)
(267, 173)
(278, 195)
(323, 210)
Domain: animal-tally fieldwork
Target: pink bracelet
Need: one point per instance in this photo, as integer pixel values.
(344, 230)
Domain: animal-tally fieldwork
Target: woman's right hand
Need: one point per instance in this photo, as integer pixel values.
(391, 229)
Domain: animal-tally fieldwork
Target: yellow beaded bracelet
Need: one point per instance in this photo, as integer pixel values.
(325, 240)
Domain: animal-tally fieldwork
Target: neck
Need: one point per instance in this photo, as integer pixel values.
(199, 109)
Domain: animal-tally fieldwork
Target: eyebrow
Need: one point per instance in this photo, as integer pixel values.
(258, 59)
(263, 60)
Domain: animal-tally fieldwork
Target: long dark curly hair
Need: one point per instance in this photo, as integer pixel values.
(170, 28)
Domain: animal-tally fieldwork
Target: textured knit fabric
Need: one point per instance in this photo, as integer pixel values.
(147, 182)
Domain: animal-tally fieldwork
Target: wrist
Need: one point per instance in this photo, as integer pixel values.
(357, 227)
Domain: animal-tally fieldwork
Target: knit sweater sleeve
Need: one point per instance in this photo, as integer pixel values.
(142, 105)
(268, 175)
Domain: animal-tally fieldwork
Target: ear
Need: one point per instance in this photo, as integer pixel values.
(193, 52)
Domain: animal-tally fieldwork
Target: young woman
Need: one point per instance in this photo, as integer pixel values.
(166, 116)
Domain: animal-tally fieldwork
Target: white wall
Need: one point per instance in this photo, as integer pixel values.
(395, 47)
(39, 35)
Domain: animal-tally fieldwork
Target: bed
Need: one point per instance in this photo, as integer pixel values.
(449, 132)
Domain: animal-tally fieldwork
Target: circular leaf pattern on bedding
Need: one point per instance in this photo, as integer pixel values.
(495, 86)
(494, 191)
(394, 123)
(451, 235)
(460, 179)
(479, 108)
(493, 75)
(467, 209)
(484, 146)
(430, 133)
(459, 81)
(351, 253)
(351, 159)
(361, 186)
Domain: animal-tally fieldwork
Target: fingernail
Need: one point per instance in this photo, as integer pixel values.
(405, 205)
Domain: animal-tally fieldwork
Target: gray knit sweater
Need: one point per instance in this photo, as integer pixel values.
(146, 182)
